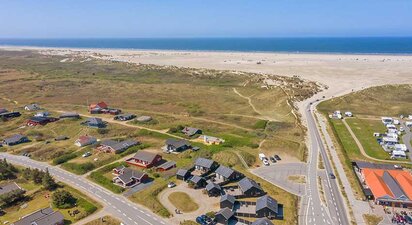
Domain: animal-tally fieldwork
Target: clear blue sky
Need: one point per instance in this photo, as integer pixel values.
(204, 18)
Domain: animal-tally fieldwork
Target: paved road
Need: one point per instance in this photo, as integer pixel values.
(406, 138)
(119, 206)
(314, 210)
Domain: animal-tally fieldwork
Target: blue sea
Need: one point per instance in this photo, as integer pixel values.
(364, 45)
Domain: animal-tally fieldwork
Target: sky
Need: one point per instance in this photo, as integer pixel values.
(203, 18)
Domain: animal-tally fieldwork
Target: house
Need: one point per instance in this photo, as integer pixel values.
(9, 187)
(227, 201)
(8, 115)
(209, 140)
(398, 154)
(401, 147)
(190, 131)
(166, 166)
(267, 207)
(44, 216)
(143, 119)
(224, 216)
(15, 140)
(388, 186)
(31, 107)
(213, 189)
(37, 120)
(69, 115)
(391, 128)
(144, 159)
(198, 182)
(42, 114)
(250, 188)
(61, 138)
(125, 117)
(85, 140)
(262, 221)
(127, 177)
(116, 147)
(183, 174)
(96, 108)
(205, 165)
(225, 174)
(174, 145)
(94, 122)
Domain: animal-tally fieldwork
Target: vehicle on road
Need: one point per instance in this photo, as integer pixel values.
(332, 176)
(273, 160)
(171, 185)
(277, 157)
(86, 154)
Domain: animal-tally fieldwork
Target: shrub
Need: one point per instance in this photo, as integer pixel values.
(64, 158)
(63, 199)
(260, 124)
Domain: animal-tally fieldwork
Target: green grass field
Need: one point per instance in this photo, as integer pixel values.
(183, 202)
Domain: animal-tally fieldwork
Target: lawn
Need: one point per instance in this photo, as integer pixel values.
(106, 220)
(183, 202)
(364, 129)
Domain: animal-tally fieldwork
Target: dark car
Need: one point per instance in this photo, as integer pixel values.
(200, 220)
(277, 157)
(272, 159)
(332, 176)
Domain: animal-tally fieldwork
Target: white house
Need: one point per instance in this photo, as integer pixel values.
(408, 124)
(387, 120)
(401, 147)
(398, 155)
(391, 128)
(392, 135)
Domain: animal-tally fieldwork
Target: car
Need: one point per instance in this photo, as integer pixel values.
(171, 185)
(397, 166)
(86, 154)
(332, 176)
(272, 159)
(199, 220)
(277, 157)
(266, 163)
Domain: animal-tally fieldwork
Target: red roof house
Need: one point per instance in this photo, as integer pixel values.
(98, 106)
(144, 159)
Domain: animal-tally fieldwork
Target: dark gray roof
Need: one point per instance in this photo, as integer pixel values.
(224, 171)
(43, 216)
(206, 163)
(145, 156)
(212, 185)
(182, 172)
(393, 185)
(362, 165)
(262, 221)
(117, 146)
(246, 184)
(9, 187)
(229, 198)
(196, 179)
(226, 213)
(190, 131)
(167, 165)
(267, 202)
(177, 143)
(128, 174)
(94, 120)
(14, 138)
(32, 106)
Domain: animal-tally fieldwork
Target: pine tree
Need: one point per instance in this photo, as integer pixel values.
(48, 181)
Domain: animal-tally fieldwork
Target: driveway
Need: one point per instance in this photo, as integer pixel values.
(279, 173)
(205, 203)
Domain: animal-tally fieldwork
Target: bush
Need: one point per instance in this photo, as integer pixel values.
(79, 169)
(102, 131)
(63, 199)
(260, 124)
(64, 158)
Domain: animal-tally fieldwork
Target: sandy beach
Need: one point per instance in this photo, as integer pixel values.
(342, 73)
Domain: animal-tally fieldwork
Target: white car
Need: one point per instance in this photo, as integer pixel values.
(86, 154)
(265, 162)
(171, 185)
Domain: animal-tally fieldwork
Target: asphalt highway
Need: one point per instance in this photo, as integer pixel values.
(122, 208)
